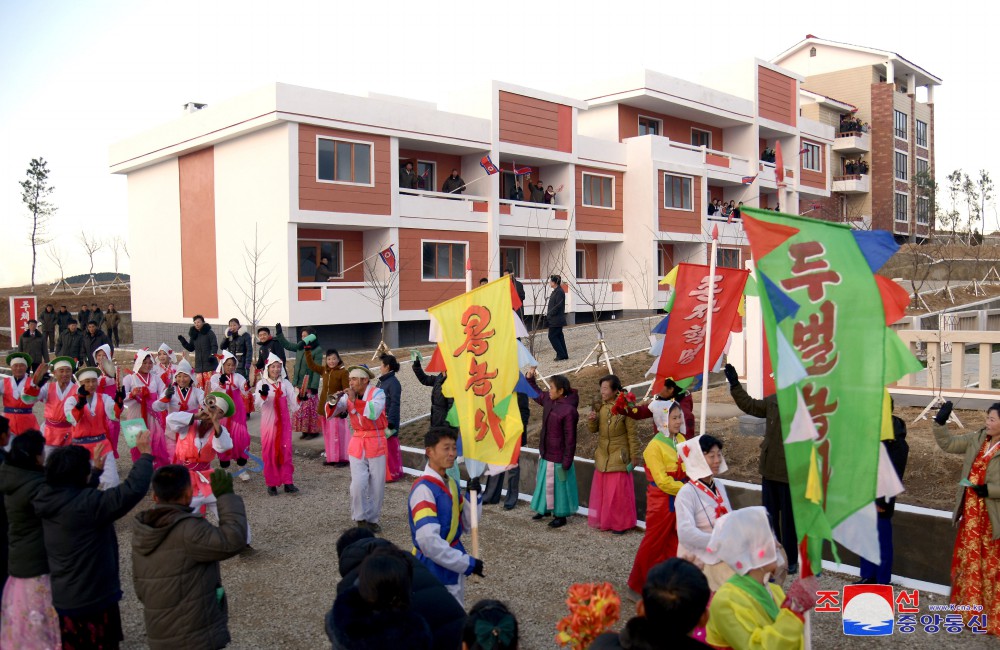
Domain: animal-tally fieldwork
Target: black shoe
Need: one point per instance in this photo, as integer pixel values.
(558, 522)
(509, 506)
(618, 532)
(291, 489)
(329, 464)
(793, 568)
(343, 463)
(540, 516)
(865, 581)
(375, 528)
(272, 491)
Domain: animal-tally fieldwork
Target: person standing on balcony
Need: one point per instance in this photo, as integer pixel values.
(453, 184)
(537, 192)
(323, 272)
(555, 316)
(550, 196)
(407, 177)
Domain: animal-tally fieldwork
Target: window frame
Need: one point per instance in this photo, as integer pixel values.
(663, 265)
(518, 272)
(926, 162)
(465, 247)
(728, 249)
(896, 168)
(579, 252)
(582, 194)
(921, 142)
(656, 120)
(690, 194)
(371, 161)
(906, 207)
(926, 202)
(708, 133)
(818, 156)
(432, 177)
(895, 125)
(318, 242)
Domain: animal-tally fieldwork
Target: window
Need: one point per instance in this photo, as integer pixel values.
(923, 210)
(443, 261)
(310, 254)
(921, 134)
(581, 264)
(509, 186)
(598, 191)
(663, 263)
(901, 200)
(728, 258)
(677, 192)
(901, 167)
(425, 176)
(649, 126)
(923, 167)
(512, 257)
(899, 121)
(339, 161)
(811, 157)
(701, 138)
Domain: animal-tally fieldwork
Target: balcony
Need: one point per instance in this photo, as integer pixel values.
(719, 164)
(852, 142)
(340, 302)
(420, 204)
(852, 184)
(521, 219)
(766, 174)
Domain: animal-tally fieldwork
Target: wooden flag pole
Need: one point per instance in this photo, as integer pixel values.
(708, 329)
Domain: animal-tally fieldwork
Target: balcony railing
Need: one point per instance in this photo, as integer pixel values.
(852, 142)
(667, 150)
(852, 183)
(431, 205)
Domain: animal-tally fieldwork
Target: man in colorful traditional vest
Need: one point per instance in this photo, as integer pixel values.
(439, 514)
(14, 390)
(196, 449)
(90, 414)
(54, 395)
(365, 405)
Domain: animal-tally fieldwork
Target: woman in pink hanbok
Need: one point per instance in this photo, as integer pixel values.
(275, 398)
(165, 369)
(108, 384)
(142, 389)
(180, 395)
(227, 380)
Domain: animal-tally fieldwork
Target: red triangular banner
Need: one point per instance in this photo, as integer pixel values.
(515, 300)
(765, 237)
(895, 299)
(436, 364)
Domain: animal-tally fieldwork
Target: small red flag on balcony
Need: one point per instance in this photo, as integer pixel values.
(748, 180)
(389, 258)
(488, 165)
(521, 171)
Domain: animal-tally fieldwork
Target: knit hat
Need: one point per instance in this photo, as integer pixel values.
(18, 357)
(140, 356)
(64, 362)
(360, 372)
(221, 401)
(694, 459)
(743, 540)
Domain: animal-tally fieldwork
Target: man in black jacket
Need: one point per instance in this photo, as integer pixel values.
(94, 338)
(429, 598)
(63, 317)
(555, 316)
(78, 523)
(204, 345)
(266, 345)
(32, 343)
(84, 316)
(71, 343)
(48, 323)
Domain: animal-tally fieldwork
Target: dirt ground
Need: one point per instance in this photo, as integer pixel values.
(121, 299)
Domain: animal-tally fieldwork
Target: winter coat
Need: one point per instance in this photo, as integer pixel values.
(175, 569)
(62, 320)
(640, 634)
(34, 345)
(27, 557)
(537, 193)
(393, 394)
(47, 320)
(265, 349)
(83, 318)
(71, 345)
(407, 180)
(440, 405)
(353, 625)
(616, 434)
(91, 343)
(334, 379)
(451, 185)
(240, 345)
(302, 371)
(429, 597)
(323, 273)
(899, 451)
(772, 448)
(557, 440)
(970, 444)
(112, 319)
(98, 317)
(204, 345)
(79, 529)
(555, 312)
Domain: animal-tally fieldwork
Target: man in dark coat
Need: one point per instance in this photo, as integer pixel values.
(240, 345)
(267, 345)
(63, 317)
(775, 493)
(71, 343)
(32, 343)
(407, 177)
(78, 524)
(453, 184)
(204, 345)
(94, 338)
(440, 405)
(84, 316)
(97, 315)
(555, 316)
(429, 598)
(48, 323)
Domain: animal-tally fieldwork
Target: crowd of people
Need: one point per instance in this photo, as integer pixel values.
(703, 573)
(731, 210)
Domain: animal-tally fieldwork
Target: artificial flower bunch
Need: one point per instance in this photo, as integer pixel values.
(593, 609)
(624, 403)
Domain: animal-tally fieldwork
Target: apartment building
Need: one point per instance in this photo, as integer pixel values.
(310, 173)
(895, 98)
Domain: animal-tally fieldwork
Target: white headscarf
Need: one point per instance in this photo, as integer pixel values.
(226, 354)
(743, 540)
(107, 352)
(272, 359)
(694, 459)
(183, 367)
(166, 348)
(660, 408)
(140, 356)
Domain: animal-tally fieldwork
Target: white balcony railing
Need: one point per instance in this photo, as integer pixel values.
(853, 142)
(666, 150)
(438, 205)
(852, 184)
(766, 172)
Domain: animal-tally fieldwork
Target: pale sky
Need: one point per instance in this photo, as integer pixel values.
(78, 76)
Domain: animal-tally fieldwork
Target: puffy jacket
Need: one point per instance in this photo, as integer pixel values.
(27, 557)
(557, 441)
(393, 394)
(83, 318)
(352, 624)
(34, 345)
(555, 312)
(616, 433)
(98, 317)
(240, 345)
(334, 379)
(452, 185)
(91, 343)
(302, 371)
(47, 319)
(265, 349)
(71, 345)
(429, 598)
(440, 405)
(112, 319)
(175, 569)
(62, 320)
(79, 529)
(772, 448)
(204, 345)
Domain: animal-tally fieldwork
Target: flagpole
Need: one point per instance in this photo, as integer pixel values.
(708, 328)
(364, 260)
(462, 187)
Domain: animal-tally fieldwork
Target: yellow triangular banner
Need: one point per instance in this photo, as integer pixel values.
(814, 489)
(887, 431)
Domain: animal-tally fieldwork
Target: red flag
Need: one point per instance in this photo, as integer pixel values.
(488, 165)
(779, 163)
(389, 258)
(685, 356)
(436, 364)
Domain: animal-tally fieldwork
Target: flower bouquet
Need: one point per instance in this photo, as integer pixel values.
(593, 609)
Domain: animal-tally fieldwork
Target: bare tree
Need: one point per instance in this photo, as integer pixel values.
(35, 190)
(58, 258)
(383, 286)
(91, 245)
(253, 287)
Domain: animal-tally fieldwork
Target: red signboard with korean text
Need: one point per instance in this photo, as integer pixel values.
(22, 309)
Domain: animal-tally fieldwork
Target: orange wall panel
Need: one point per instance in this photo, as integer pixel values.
(339, 197)
(353, 250)
(532, 255)
(535, 122)
(674, 128)
(199, 281)
(590, 260)
(600, 219)
(444, 163)
(680, 220)
(776, 98)
(414, 292)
